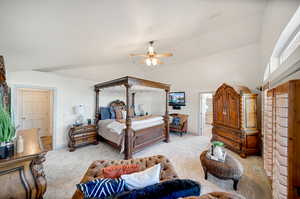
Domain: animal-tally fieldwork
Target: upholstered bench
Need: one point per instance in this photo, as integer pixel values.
(230, 169)
(95, 169)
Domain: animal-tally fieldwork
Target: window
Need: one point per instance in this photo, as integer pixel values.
(287, 44)
(293, 45)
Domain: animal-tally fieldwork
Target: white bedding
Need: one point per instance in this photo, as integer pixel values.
(113, 131)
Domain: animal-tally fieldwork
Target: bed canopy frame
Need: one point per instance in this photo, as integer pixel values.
(129, 82)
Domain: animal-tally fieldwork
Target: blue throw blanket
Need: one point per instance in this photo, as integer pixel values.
(171, 189)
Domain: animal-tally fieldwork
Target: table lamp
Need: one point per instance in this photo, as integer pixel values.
(79, 110)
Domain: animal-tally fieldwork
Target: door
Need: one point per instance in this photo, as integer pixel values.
(35, 110)
(206, 114)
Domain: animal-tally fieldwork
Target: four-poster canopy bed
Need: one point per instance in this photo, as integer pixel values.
(135, 140)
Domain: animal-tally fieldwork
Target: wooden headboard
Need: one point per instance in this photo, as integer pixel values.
(118, 104)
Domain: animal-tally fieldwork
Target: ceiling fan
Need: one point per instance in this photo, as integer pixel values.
(151, 57)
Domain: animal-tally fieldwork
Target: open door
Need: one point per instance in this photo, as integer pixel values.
(205, 114)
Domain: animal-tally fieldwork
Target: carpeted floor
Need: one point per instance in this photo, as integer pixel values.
(64, 169)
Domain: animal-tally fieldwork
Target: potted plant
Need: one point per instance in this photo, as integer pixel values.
(7, 133)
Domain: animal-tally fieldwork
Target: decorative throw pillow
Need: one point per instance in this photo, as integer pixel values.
(118, 170)
(101, 188)
(104, 113)
(176, 121)
(124, 113)
(118, 114)
(142, 179)
(170, 189)
(112, 113)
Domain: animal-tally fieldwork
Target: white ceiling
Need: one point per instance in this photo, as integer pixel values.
(92, 39)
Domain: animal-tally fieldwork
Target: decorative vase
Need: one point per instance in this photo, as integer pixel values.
(89, 121)
(217, 151)
(10, 149)
(3, 153)
(20, 144)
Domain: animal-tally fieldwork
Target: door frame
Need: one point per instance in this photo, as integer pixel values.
(200, 110)
(14, 102)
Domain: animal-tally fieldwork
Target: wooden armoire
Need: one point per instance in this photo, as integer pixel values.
(281, 139)
(235, 119)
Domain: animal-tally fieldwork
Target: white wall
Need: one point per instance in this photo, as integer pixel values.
(238, 66)
(69, 92)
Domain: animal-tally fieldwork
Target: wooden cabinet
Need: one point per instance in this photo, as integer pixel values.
(82, 135)
(281, 138)
(234, 119)
(22, 175)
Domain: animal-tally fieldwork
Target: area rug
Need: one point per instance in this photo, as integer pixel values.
(64, 169)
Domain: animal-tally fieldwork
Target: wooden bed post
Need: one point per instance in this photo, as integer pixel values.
(97, 107)
(166, 118)
(133, 102)
(128, 131)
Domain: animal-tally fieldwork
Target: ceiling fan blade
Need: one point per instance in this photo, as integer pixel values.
(143, 61)
(56, 68)
(160, 62)
(164, 55)
(141, 55)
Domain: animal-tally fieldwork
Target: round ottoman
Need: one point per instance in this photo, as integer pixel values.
(230, 169)
(217, 195)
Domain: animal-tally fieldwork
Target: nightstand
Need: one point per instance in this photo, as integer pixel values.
(82, 135)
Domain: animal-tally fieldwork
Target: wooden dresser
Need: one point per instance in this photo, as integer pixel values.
(281, 137)
(82, 135)
(22, 176)
(234, 119)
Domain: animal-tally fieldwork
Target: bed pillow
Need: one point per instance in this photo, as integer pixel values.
(117, 170)
(104, 113)
(176, 121)
(142, 179)
(171, 189)
(124, 115)
(112, 113)
(101, 188)
(118, 112)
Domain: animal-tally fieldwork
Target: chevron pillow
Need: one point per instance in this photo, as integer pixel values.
(101, 188)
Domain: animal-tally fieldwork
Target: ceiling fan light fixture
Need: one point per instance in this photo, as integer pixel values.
(151, 50)
(151, 58)
(154, 61)
(148, 62)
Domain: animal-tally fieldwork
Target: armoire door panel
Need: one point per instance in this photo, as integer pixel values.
(219, 109)
(232, 110)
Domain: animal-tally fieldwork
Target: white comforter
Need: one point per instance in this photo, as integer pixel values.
(113, 130)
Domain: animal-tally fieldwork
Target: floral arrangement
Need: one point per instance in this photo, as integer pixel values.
(7, 128)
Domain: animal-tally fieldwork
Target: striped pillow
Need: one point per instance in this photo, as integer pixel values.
(101, 188)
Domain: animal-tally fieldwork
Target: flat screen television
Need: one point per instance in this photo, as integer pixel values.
(177, 99)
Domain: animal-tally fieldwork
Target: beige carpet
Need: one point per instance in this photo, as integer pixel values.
(64, 169)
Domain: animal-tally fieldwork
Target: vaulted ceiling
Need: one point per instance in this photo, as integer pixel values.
(93, 38)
